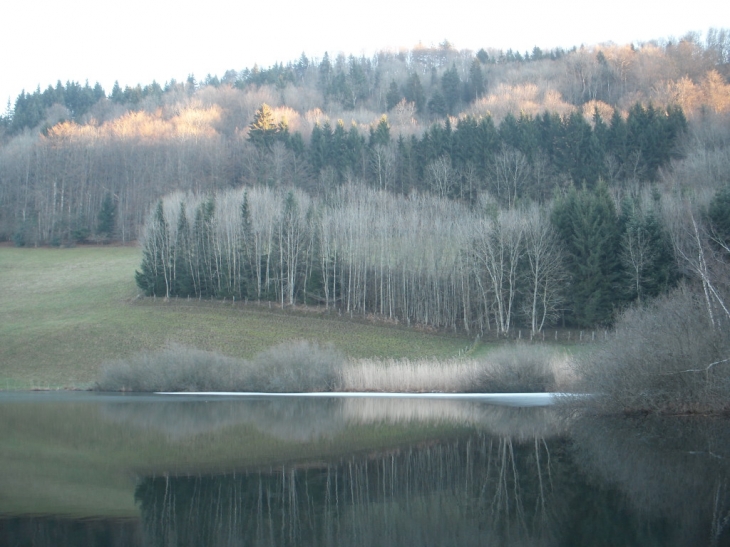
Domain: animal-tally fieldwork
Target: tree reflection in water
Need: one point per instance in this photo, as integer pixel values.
(476, 475)
(462, 492)
(516, 477)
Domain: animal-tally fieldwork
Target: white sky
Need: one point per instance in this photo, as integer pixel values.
(136, 41)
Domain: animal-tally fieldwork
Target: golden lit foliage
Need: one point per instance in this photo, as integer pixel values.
(188, 123)
(604, 110)
(712, 93)
(516, 99)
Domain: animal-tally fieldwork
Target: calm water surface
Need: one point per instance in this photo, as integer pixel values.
(91, 469)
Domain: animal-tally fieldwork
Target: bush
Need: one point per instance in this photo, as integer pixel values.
(175, 368)
(661, 359)
(295, 366)
(518, 368)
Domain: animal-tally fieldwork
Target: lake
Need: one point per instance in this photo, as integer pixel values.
(113, 469)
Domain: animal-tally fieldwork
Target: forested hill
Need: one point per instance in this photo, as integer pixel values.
(611, 136)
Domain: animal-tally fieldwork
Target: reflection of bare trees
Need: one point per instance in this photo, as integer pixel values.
(474, 490)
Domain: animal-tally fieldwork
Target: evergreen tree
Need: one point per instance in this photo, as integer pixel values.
(718, 214)
(437, 105)
(155, 275)
(325, 75)
(106, 220)
(476, 86)
(247, 263)
(589, 228)
(414, 92)
(184, 281)
(341, 157)
(205, 270)
(450, 87)
(646, 253)
(264, 130)
(393, 97)
(317, 149)
(380, 135)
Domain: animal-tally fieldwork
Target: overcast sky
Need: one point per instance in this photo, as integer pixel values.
(137, 41)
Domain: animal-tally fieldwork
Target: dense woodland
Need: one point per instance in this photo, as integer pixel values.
(435, 186)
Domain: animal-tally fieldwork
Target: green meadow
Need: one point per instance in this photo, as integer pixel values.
(64, 312)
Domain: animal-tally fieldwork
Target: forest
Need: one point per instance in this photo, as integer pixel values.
(430, 186)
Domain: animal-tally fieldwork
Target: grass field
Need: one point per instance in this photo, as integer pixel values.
(63, 312)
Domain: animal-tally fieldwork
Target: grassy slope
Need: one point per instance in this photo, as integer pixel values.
(63, 312)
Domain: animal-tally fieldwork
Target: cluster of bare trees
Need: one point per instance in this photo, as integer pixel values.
(418, 259)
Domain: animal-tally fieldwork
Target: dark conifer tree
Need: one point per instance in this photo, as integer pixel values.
(380, 135)
(587, 223)
(184, 284)
(393, 97)
(106, 220)
(437, 105)
(718, 214)
(155, 277)
(476, 86)
(414, 92)
(264, 130)
(451, 88)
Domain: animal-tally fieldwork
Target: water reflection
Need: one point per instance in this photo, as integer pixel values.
(674, 472)
(475, 490)
(359, 472)
(308, 420)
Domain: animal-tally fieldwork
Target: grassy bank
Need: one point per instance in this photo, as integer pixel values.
(66, 311)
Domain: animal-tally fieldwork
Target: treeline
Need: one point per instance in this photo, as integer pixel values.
(55, 189)
(523, 157)
(432, 261)
(436, 80)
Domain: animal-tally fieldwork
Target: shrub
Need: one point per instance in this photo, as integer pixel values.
(175, 368)
(518, 368)
(298, 365)
(661, 359)
(295, 366)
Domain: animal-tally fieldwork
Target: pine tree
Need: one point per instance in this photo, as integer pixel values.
(380, 135)
(718, 214)
(155, 277)
(588, 226)
(247, 262)
(414, 92)
(450, 87)
(184, 284)
(437, 105)
(106, 220)
(393, 97)
(264, 130)
(475, 87)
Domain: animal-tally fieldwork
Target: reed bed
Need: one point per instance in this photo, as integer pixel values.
(508, 369)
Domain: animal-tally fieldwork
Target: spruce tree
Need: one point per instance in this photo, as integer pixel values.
(451, 87)
(588, 226)
(184, 284)
(393, 97)
(154, 277)
(106, 220)
(264, 130)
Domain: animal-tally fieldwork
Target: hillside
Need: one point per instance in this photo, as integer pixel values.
(67, 311)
